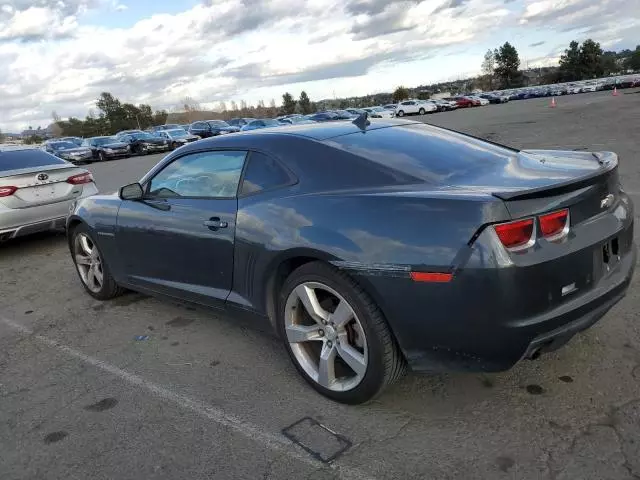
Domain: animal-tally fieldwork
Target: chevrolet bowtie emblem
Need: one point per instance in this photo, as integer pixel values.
(607, 201)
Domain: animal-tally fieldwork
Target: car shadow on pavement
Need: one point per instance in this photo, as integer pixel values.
(32, 243)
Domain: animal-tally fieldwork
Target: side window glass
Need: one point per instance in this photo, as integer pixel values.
(203, 174)
(263, 173)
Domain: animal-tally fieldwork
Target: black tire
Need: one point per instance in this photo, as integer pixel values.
(385, 362)
(400, 113)
(101, 157)
(140, 151)
(421, 111)
(174, 145)
(110, 289)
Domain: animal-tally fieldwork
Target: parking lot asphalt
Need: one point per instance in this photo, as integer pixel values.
(140, 388)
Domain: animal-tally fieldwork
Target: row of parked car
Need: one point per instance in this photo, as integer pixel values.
(167, 137)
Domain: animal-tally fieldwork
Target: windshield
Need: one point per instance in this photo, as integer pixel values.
(377, 109)
(28, 158)
(62, 145)
(142, 136)
(218, 123)
(105, 140)
(271, 123)
(177, 133)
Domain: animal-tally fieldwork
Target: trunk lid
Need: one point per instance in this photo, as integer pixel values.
(540, 181)
(40, 185)
(540, 173)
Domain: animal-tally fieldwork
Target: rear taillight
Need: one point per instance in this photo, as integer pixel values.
(7, 191)
(517, 235)
(554, 225)
(80, 179)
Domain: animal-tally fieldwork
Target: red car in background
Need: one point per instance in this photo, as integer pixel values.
(465, 102)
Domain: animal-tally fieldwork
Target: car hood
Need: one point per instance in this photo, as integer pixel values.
(73, 150)
(114, 145)
(230, 128)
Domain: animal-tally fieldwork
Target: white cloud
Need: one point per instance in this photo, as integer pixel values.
(52, 59)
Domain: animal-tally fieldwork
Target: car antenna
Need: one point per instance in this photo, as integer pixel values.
(362, 122)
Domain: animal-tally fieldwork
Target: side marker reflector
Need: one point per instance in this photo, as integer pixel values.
(431, 277)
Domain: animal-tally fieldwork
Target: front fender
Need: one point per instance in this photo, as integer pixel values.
(99, 214)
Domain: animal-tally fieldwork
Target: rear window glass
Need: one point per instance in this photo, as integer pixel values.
(27, 159)
(427, 153)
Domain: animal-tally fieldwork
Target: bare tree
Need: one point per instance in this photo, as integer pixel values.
(222, 107)
(191, 107)
(243, 105)
(234, 106)
(489, 66)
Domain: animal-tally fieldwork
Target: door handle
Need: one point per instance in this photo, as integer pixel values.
(215, 223)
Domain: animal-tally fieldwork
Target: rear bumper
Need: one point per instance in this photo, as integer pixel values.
(25, 221)
(485, 321)
(116, 154)
(42, 226)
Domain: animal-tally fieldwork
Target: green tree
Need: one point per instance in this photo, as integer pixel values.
(160, 117)
(288, 104)
(424, 95)
(488, 67)
(145, 115)
(570, 63)
(400, 93)
(507, 65)
(609, 63)
(33, 140)
(591, 59)
(632, 62)
(305, 103)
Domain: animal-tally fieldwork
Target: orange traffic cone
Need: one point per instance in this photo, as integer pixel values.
(615, 91)
(553, 102)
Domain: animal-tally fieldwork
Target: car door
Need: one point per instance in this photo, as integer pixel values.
(179, 239)
(197, 128)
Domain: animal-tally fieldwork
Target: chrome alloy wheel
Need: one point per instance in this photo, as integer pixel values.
(325, 336)
(88, 262)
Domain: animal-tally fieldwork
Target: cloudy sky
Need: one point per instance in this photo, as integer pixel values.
(60, 54)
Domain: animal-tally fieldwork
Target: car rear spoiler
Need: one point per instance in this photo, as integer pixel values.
(607, 160)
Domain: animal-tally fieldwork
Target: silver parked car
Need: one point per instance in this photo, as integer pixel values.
(68, 151)
(37, 189)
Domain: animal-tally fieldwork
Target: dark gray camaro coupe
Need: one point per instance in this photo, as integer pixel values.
(372, 247)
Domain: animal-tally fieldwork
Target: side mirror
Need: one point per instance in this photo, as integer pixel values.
(132, 191)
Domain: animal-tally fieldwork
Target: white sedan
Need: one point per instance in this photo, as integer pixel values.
(419, 107)
(379, 112)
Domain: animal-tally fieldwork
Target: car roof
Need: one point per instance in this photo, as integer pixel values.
(315, 131)
(11, 147)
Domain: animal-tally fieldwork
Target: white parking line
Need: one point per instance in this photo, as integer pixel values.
(270, 440)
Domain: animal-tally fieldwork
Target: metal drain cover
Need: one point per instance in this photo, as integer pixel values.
(320, 441)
